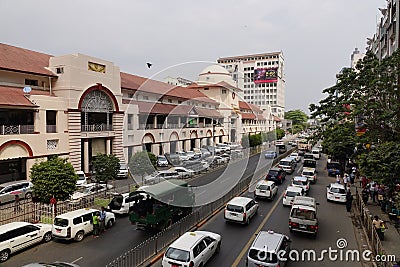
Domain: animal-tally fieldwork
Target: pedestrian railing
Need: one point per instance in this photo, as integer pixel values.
(373, 237)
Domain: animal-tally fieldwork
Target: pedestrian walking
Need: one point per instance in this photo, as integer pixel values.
(96, 221)
(349, 200)
(365, 195)
(381, 194)
(379, 227)
(352, 177)
(374, 192)
(102, 220)
(345, 180)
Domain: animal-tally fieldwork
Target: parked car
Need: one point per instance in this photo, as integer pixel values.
(336, 192)
(265, 189)
(123, 172)
(290, 193)
(121, 203)
(190, 154)
(270, 154)
(192, 249)
(76, 224)
(162, 161)
(161, 176)
(8, 191)
(334, 168)
(302, 182)
(183, 172)
(86, 190)
(277, 175)
(82, 179)
(182, 155)
(220, 160)
(20, 235)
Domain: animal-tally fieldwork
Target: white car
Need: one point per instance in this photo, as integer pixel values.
(123, 172)
(121, 203)
(183, 172)
(89, 189)
(290, 193)
(240, 210)
(310, 174)
(182, 155)
(336, 193)
(192, 249)
(82, 179)
(303, 182)
(162, 161)
(266, 189)
(296, 156)
(20, 235)
(220, 160)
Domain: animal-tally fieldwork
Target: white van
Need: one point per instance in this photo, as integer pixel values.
(316, 153)
(78, 223)
(241, 210)
(303, 215)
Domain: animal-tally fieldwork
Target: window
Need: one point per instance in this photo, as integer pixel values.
(145, 97)
(199, 248)
(77, 220)
(31, 82)
(51, 121)
(60, 70)
(179, 102)
(87, 217)
(224, 91)
(169, 100)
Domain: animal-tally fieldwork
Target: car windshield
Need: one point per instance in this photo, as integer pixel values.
(292, 194)
(308, 173)
(273, 173)
(333, 165)
(270, 152)
(338, 190)
(61, 222)
(263, 187)
(263, 256)
(234, 208)
(303, 214)
(299, 182)
(178, 254)
(285, 163)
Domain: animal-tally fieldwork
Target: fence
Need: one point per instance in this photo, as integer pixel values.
(154, 245)
(366, 220)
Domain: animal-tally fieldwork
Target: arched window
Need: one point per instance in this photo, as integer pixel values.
(97, 109)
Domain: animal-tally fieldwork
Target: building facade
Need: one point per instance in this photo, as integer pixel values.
(76, 106)
(261, 78)
(386, 39)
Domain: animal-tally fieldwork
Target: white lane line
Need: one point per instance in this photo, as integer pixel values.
(78, 259)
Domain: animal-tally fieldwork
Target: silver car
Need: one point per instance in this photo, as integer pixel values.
(8, 191)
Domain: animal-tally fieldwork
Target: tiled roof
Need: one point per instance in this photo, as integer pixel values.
(209, 113)
(13, 96)
(248, 116)
(23, 60)
(220, 84)
(276, 118)
(134, 82)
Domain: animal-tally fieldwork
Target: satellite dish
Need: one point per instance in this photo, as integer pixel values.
(27, 89)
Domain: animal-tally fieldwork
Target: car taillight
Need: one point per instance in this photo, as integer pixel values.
(244, 216)
(191, 264)
(293, 224)
(313, 227)
(69, 232)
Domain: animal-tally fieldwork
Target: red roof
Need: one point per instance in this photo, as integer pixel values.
(208, 113)
(248, 116)
(134, 82)
(276, 118)
(23, 60)
(13, 96)
(220, 84)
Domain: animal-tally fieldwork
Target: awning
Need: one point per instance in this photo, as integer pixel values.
(14, 96)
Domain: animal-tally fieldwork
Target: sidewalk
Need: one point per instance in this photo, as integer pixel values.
(391, 242)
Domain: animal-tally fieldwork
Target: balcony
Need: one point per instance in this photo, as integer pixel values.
(51, 128)
(16, 129)
(96, 128)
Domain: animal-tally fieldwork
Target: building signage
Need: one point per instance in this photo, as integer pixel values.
(263, 75)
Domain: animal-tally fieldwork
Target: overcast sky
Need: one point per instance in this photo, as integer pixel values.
(317, 37)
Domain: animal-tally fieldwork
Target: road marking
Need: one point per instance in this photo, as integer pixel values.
(78, 259)
(248, 244)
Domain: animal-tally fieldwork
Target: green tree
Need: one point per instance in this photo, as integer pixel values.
(279, 133)
(255, 140)
(54, 177)
(106, 167)
(142, 163)
(297, 116)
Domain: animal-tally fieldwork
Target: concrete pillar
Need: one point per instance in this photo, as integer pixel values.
(86, 155)
(108, 146)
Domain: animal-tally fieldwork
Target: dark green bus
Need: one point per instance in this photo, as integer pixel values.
(160, 205)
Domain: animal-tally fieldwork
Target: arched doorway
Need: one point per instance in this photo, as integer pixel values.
(173, 142)
(147, 142)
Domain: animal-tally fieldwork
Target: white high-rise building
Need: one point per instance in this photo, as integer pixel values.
(261, 77)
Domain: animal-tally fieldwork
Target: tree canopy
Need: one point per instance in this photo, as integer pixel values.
(142, 163)
(298, 118)
(54, 177)
(106, 167)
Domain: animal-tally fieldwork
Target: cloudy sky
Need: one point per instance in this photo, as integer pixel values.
(180, 38)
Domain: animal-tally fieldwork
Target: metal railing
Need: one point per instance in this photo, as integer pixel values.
(96, 127)
(16, 129)
(366, 220)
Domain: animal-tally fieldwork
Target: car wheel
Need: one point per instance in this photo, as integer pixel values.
(47, 237)
(4, 255)
(110, 223)
(79, 236)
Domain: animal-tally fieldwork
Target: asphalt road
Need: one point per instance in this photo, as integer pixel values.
(334, 223)
(123, 236)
